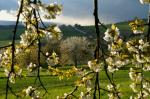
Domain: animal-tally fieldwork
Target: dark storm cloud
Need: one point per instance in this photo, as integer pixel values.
(122, 9)
(8, 4)
(109, 10)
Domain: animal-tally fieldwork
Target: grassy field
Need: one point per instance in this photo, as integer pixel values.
(7, 33)
(52, 83)
(58, 87)
(7, 42)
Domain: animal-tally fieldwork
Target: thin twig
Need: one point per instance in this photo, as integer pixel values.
(39, 49)
(96, 87)
(2, 47)
(13, 47)
(71, 94)
(148, 34)
(41, 20)
(97, 51)
(13, 92)
(99, 44)
(102, 24)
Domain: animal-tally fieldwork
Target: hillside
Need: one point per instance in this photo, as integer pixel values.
(76, 30)
(6, 31)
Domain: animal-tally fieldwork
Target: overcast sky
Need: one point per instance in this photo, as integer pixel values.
(80, 11)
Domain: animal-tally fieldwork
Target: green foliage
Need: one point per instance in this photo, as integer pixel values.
(57, 87)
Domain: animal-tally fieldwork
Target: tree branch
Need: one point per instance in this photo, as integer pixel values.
(13, 48)
(39, 49)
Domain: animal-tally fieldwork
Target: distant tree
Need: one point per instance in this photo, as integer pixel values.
(51, 46)
(75, 50)
(77, 25)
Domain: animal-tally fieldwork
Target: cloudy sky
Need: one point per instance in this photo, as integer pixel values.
(80, 11)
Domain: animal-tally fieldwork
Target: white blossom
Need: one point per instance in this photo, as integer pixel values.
(83, 96)
(19, 72)
(0, 56)
(65, 94)
(27, 38)
(31, 67)
(145, 94)
(131, 97)
(146, 86)
(88, 85)
(131, 48)
(137, 31)
(12, 78)
(6, 72)
(107, 36)
(30, 91)
(93, 65)
(35, 6)
(139, 58)
(141, 42)
(144, 1)
(18, 50)
(48, 34)
(110, 87)
(58, 97)
(137, 77)
(133, 86)
(146, 67)
(111, 34)
(112, 96)
(112, 69)
(57, 29)
(47, 53)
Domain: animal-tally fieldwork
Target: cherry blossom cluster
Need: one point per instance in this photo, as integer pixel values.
(31, 92)
(31, 12)
(6, 63)
(117, 57)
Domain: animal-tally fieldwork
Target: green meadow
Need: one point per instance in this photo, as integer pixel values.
(58, 87)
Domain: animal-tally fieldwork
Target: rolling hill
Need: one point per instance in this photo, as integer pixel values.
(67, 30)
(6, 31)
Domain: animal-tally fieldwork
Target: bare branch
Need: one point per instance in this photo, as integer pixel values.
(39, 49)
(72, 93)
(13, 47)
(2, 47)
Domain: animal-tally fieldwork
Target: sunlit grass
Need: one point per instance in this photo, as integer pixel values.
(58, 87)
